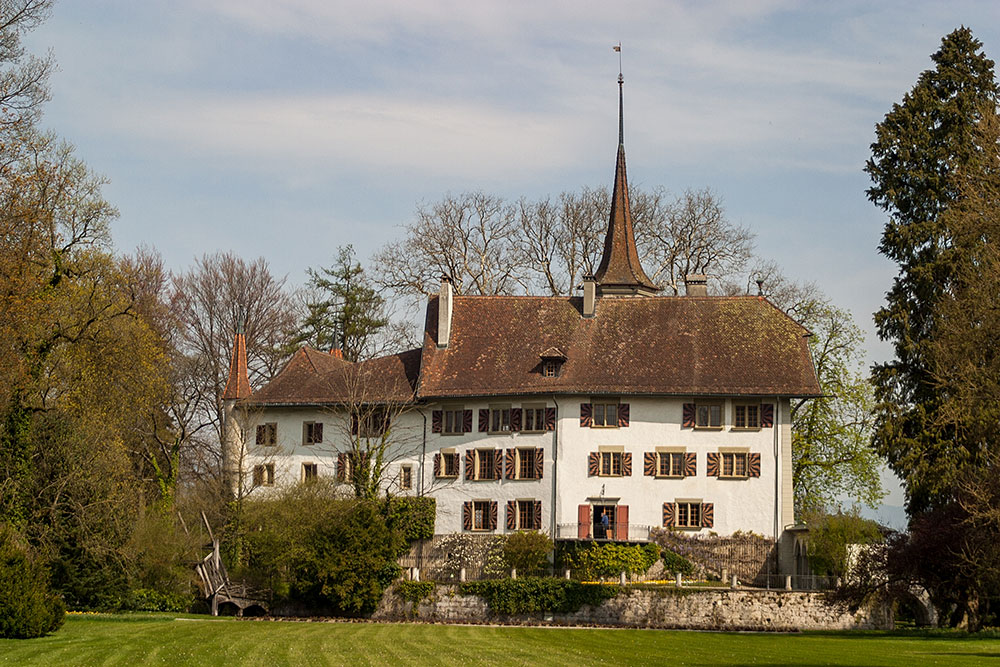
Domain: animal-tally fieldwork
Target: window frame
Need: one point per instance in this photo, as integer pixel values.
(406, 477)
(616, 455)
(708, 405)
(270, 437)
(689, 507)
(308, 476)
(458, 420)
(487, 508)
(263, 474)
(521, 456)
(497, 419)
(537, 412)
(309, 433)
(733, 455)
(744, 407)
(550, 368)
(604, 403)
(450, 455)
(520, 506)
(367, 427)
(479, 462)
(668, 455)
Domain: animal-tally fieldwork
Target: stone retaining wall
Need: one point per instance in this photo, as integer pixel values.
(720, 609)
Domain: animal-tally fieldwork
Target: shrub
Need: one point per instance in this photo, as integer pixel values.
(590, 561)
(676, 564)
(415, 591)
(412, 517)
(28, 608)
(830, 535)
(527, 551)
(537, 594)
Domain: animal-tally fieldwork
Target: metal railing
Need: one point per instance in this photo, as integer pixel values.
(614, 533)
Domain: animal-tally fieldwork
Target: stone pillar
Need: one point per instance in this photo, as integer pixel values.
(677, 579)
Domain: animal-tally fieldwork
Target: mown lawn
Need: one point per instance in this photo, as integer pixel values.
(165, 639)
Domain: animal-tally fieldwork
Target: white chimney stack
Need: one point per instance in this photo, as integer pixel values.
(589, 296)
(446, 302)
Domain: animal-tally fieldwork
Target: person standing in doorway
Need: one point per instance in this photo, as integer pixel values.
(605, 522)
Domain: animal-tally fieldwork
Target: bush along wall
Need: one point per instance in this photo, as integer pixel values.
(536, 594)
(588, 561)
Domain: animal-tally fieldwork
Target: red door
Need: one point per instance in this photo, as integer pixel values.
(621, 523)
(583, 522)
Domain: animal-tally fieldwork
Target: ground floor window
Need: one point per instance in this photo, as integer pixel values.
(526, 515)
(310, 471)
(406, 478)
(481, 515)
(263, 475)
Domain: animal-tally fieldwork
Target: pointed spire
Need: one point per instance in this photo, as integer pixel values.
(238, 385)
(620, 271)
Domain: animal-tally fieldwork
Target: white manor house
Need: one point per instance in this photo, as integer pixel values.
(549, 413)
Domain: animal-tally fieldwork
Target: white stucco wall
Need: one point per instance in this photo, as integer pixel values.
(739, 504)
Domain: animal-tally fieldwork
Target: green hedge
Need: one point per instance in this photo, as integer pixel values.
(592, 561)
(536, 594)
(675, 563)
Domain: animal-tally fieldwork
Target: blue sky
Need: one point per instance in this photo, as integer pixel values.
(285, 129)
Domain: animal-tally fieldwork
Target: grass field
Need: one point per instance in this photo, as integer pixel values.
(169, 640)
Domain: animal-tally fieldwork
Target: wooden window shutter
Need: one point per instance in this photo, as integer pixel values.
(493, 515)
(305, 433)
(627, 464)
(511, 514)
(753, 464)
(649, 464)
(623, 415)
(539, 462)
(484, 420)
(690, 464)
(498, 464)
(621, 523)
(467, 515)
(708, 515)
(712, 464)
(318, 432)
(538, 515)
(583, 522)
(510, 460)
(261, 434)
(342, 467)
(470, 464)
(688, 416)
(668, 515)
(437, 465)
(436, 421)
(550, 419)
(515, 419)
(586, 414)
(467, 421)
(354, 423)
(767, 415)
(593, 464)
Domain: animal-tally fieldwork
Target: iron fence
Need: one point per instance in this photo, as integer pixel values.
(613, 533)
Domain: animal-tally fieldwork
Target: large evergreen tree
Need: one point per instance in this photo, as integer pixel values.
(348, 313)
(924, 147)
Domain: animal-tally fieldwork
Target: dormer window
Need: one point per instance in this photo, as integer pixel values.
(552, 361)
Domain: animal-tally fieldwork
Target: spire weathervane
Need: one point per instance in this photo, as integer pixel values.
(621, 104)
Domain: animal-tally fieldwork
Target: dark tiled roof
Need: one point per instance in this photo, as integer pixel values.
(238, 384)
(644, 345)
(313, 377)
(620, 266)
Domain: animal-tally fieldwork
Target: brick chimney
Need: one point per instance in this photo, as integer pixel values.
(696, 284)
(446, 302)
(337, 352)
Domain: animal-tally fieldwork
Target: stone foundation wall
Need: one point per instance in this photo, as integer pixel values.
(661, 608)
